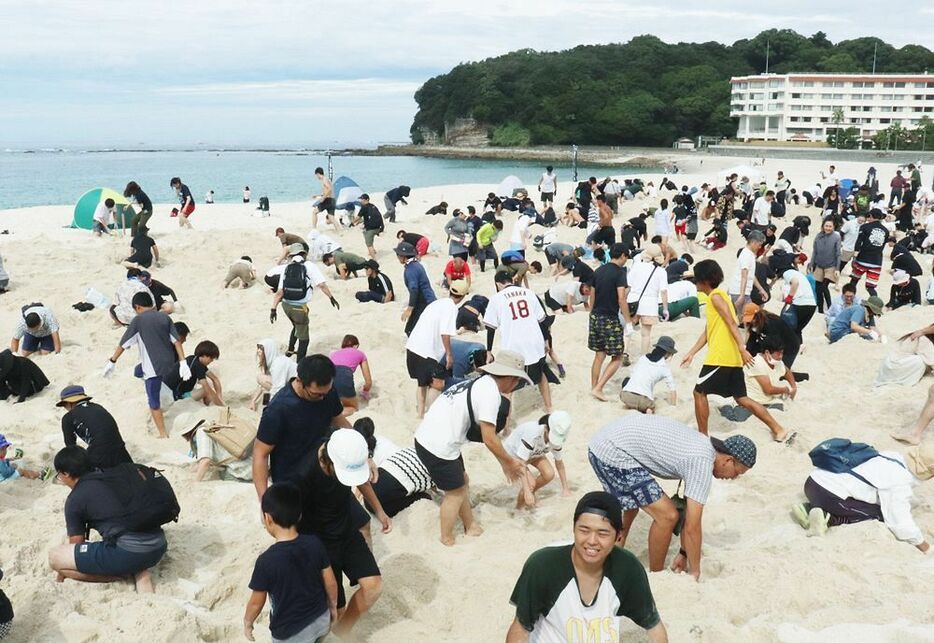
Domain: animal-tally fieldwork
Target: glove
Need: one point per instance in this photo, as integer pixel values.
(665, 314)
(273, 316)
(109, 369)
(630, 329)
(789, 299)
(183, 371)
(335, 303)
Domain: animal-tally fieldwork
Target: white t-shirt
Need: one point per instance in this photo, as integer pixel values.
(439, 318)
(314, 279)
(320, 245)
(761, 211)
(747, 260)
(929, 223)
(662, 222)
(646, 374)
(804, 295)
(561, 292)
(443, 431)
(641, 276)
(775, 373)
(520, 231)
(850, 232)
(681, 290)
(548, 182)
(527, 441)
(102, 214)
(516, 312)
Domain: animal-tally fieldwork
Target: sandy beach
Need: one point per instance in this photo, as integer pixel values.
(763, 579)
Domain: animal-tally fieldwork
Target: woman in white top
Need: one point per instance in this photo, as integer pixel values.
(639, 388)
(530, 442)
(799, 298)
(664, 219)
(275, 371)
(878, 489)
(648, 282)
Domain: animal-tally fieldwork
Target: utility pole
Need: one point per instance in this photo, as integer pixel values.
(330, 167)
(875, 49)
(574, 161)
(768, 44)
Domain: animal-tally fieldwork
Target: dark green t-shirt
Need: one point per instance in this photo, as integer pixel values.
(548, 603)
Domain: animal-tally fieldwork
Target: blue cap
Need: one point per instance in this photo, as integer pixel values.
(740, 447)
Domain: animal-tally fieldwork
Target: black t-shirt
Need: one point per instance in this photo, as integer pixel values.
(97, 428)
(179, 386)
(676, 270)
(906, 261)
(870, 243)
(290, 572)
(184, 194)
(774, 326)
(379, 284)
(372, 219)
(629, 237)
(437, 209)
(293, 426)
(143, 201)
(791, 234)
(93, 504)
(412, 237)
(639, 224)
(606, 279)
(582, 272)
(327, 505)
(160, 291)
(142, 245)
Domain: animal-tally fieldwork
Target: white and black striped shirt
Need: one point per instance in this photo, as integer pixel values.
(405, 466)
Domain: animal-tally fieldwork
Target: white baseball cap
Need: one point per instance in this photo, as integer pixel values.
(559, 425)
(347, 451)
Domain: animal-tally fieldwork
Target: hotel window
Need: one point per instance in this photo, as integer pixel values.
(775, 83)
(918, 97)
(793, 95)
(795, 119)
(898, 97)
(898, 109)
(885, 121)
(824, 119)
(836, 96)
(886, 96)
(899, 85)
(867, 108)
(826, 108)
(775, 95)
(919, 85)
(756, 96)
(929, 109)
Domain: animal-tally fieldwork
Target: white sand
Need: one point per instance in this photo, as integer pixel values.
(763, 580)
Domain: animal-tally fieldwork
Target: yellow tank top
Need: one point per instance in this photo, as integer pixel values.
(721, 348)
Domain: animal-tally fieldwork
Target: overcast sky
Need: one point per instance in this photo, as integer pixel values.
(287, 72)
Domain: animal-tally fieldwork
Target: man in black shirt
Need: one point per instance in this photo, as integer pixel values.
(164, 296)
(870, 243)
(210, 390)
(380, 288)
(680, 268)
(606, 336)
(329, 511)
(94, 426)
(902, 259)
(394, 196)
(372, 223)
(144, 249)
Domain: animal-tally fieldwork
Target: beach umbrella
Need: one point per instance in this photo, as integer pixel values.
(346, 193)
(510, 185)
(84, 208)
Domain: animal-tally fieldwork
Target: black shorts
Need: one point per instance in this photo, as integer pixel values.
(446, 474)
(423, 369)
(350, 557)
(468, 319)
(606, 236)
(392, 495)
(536, 371)
(725, 381)
(691, 235)
(107, 559)
(327, 205)
(551, 302)
(343, 381)
(359, 516)
(548, 196)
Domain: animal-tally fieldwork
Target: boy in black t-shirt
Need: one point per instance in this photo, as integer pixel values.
(295, 571)
(145, 251)
(210, 385)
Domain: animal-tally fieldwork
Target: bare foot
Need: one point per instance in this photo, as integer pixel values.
(907, 438)
(144, 582)
(787, 437)
(474, 530)
(447, 541)
(598, 394)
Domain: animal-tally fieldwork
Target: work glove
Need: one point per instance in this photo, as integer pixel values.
(109, 369)
(184, 371)
(273, 316)
(335, 303)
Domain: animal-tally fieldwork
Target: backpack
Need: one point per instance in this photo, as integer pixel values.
(839, 455)
(295, 281)
(510, 257)
(147, 497)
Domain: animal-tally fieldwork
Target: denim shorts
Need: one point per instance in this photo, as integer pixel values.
(634, 488)
(32, 343)
(153, 388)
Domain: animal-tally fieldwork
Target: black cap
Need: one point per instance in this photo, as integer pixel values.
(602, 504)
(372, 264)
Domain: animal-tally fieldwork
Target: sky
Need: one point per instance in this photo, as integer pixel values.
(110, 73)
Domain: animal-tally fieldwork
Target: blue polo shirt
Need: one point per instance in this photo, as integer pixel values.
(840, 327)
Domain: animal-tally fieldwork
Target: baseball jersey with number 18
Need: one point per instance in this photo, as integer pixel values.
(516, 312)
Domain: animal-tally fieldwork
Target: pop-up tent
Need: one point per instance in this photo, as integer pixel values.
(510, 185)
(84, 208)
(346, 193)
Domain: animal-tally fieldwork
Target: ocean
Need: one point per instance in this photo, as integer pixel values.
(61, 177)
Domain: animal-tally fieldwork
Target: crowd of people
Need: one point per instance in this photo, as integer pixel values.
(322, 471)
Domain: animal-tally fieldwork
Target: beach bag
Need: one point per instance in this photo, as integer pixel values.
(232, 433)
(839, 455)
(146, 495)
(294, 282)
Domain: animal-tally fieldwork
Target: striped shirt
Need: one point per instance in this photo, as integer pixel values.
(405, 466)
(666, 448)
(47, 326)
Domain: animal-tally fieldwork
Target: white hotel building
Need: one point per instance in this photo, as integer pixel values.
(800, 107)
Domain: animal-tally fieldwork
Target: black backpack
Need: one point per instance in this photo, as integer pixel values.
(147, 498)
(295, 281)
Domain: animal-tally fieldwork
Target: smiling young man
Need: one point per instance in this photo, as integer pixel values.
(578, 592)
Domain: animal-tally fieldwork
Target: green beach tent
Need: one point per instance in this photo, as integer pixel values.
(84, 208)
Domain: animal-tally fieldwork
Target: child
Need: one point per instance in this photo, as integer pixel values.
(530, 442)
(209, 391)
(295, 571)
(241, 269)
(638, 388)
(715, 238)
(722, 372)
(9, 470)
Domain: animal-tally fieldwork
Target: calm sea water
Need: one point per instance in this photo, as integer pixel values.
(56, 178)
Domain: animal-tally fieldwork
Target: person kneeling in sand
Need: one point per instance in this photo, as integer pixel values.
(207, 452)
(585, 586)
(878, 488)
(628, 453)
(472, 411)
(94, 504)
(530, 442)
(240, 270)
(639, 388)
(768, 381)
